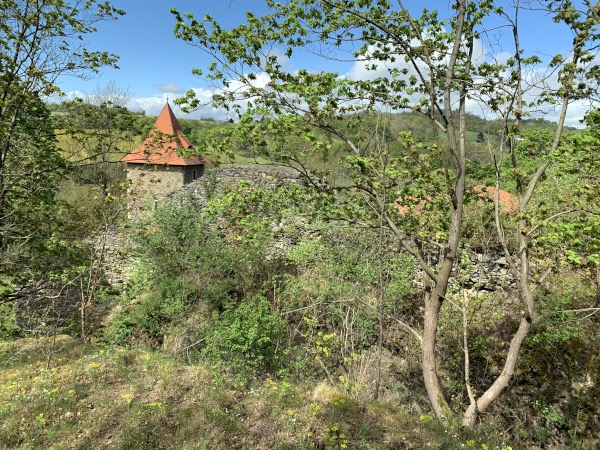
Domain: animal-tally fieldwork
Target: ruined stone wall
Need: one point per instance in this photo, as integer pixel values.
(217, 179)
(487, 272)
(477, 270)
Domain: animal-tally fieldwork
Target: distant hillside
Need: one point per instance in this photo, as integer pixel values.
(482, 134)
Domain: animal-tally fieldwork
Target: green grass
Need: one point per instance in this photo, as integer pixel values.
(244, 160)
(65, 394)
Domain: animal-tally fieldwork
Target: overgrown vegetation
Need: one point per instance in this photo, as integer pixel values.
(252, 289)
(419, 191)
(431, 280)
(249, 333)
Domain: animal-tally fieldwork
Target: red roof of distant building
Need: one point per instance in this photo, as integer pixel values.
(160, 147)
(411, 203)
(509, 203)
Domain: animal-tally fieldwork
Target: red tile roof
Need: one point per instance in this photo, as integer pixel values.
(160, 147)
(411, 203)
(509, 203)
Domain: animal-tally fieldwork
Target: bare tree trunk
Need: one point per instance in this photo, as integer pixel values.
(433, 302)
(4, 151)
(2, 210)
(597, 302)
(519, 265)
(501, 383)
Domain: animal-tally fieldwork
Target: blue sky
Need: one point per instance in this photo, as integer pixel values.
(155, 65)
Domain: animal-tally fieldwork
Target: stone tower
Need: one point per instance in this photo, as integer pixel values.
(154, 169)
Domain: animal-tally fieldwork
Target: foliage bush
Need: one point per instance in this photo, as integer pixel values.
(8, 321)
(311, 308)
(186, 264)
(182, 243)
(158, 308)
(247, 338)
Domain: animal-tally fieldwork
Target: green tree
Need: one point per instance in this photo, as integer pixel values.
(427, 64)
(573, 226)
(41, 40)
(98, 130)
(29, 187)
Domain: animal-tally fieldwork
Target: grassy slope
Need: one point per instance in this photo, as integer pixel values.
(67, 395)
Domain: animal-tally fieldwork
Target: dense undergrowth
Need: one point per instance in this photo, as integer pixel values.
(254, 292)
(251, 324)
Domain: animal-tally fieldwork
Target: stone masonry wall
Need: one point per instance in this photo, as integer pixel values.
(148, 184)
(218, 178)
(486, 272)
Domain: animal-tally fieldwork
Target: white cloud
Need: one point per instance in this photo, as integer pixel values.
(363, 70)
(282, 58)
(536, 80)
(66, 96)
(154, 104)
(169, 88)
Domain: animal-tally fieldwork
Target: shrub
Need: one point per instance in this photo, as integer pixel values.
(247, 337)
(8, 321)
(160, 307)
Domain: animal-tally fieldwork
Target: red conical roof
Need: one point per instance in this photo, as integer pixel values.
(160, 147)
